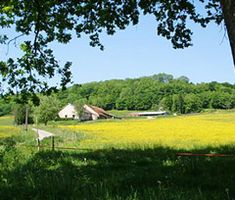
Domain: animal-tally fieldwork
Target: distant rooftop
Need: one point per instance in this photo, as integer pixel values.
(152, 113)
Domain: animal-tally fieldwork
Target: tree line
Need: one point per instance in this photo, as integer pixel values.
(160, 91)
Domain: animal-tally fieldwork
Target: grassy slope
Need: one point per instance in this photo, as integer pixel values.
(114, 174)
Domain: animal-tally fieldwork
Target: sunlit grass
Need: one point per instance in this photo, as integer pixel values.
(6, 131)
(187, 132)
(6, 120)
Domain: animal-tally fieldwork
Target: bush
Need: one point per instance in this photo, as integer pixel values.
(5, 108)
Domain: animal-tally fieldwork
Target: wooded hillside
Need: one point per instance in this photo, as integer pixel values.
(161, 91)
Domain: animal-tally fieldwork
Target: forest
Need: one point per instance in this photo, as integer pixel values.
(157, 92)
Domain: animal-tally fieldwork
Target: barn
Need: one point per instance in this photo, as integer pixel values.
(89, 113)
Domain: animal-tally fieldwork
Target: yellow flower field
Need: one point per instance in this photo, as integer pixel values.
(187, 132)
(6, 127)
(6, 131)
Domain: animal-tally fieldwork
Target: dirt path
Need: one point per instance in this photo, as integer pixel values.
(42, 134)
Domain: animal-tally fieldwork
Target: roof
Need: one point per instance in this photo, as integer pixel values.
(101, 112)
(152, 113)
(98, 111)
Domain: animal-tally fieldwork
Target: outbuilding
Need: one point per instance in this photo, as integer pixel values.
(148, 114)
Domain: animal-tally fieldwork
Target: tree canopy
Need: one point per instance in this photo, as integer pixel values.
(48, 109)
(40, 23)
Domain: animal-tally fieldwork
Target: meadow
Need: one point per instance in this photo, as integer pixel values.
(6, 127)
(130, 159)
(183, 132)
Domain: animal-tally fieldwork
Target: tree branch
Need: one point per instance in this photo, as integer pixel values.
(11, 40)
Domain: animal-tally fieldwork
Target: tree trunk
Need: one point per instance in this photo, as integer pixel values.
(228, 8)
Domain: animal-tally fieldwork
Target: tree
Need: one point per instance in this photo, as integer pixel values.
(5, 107)
(228, 7)
(126, 100)
(48, 109)
(178, 103)
(166, 103)
(205, 97)
(183, 78)
(41, 22)
(163, 78)
(19, 111)
(221, 100)
(192, 103)
(79, 106)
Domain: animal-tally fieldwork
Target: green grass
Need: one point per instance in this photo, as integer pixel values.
(6, 121)
(63, 122)
(115, 174)
(121, 113)
(124, 113)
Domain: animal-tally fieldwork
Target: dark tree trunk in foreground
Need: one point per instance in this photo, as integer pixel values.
(228, 8)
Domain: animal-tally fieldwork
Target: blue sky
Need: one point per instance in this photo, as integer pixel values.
(138, 51)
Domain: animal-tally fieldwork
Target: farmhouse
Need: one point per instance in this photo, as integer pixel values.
(68, 112)
(89, 113)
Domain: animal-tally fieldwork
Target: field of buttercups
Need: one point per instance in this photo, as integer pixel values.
(187, 132)
(128, 159)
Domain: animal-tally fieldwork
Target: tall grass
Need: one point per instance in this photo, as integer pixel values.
(115, 174)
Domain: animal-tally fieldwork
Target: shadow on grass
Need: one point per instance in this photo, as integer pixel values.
(116, 174)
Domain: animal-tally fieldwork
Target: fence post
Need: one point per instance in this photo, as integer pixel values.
(38, 143)
(26, 117)
(52, 143)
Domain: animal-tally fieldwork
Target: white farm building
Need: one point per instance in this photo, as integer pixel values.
(68, 112)
(89, 113)
(148, 114)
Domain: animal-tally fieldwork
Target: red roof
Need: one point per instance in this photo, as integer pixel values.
(101, 112)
